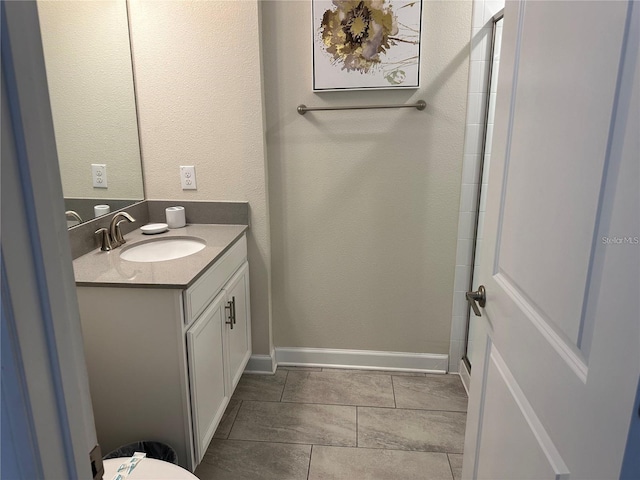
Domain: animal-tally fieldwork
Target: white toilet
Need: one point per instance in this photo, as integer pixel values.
(147, 469)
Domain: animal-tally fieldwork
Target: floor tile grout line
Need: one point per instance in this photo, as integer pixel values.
(234, 419)
(339, 446)
(330, 404)
(393, 390)
(263, 401)
(356, 427)
(396, 449)
(342, 446)
(356, 405)
(409, 409)
(450, 467)
(308, 443)
(286, 377)
(418, 409)
(309, 466)
(362, 406)
(276, 442)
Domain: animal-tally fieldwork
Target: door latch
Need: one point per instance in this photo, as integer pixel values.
(477, 298)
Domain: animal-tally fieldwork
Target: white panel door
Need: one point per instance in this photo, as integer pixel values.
(557, 354)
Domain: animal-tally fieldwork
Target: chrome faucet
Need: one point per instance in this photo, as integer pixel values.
(114, 228)
(112, 237)
(74, 215)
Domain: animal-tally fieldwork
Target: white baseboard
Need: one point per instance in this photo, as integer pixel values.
(262, 364)
(362, 359)
(465, 376)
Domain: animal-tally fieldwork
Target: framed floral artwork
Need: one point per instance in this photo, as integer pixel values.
(366, 44)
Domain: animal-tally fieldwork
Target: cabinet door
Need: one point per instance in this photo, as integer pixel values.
(238, 337)
(209, 394)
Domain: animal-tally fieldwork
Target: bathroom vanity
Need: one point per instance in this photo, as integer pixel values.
(166, 342)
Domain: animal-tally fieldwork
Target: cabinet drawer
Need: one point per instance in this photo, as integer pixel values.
(200, 294)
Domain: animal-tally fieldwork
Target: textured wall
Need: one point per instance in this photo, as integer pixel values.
(364, 204)
(199, 88)
(88, 61)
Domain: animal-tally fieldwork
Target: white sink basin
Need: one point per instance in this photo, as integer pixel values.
(161, 249)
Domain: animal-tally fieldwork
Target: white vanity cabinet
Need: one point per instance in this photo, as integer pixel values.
(163, 362)
(215, 372)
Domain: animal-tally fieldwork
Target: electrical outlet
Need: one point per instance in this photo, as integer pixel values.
(188, 177)
(99, 175)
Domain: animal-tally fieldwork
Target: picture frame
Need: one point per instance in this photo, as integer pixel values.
(366, 44)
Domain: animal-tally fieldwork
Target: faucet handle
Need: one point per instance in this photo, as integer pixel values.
(106, 241)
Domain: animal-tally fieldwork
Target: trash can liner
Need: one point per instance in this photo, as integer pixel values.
(156, 450)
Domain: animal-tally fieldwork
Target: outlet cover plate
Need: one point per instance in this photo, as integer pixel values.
(99, 175)
(188, 177)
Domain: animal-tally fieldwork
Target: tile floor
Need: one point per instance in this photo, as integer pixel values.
(322, 423)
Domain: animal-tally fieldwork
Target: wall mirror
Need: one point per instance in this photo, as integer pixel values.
(90, 76)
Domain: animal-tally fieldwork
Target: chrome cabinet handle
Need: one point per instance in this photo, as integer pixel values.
(233, 309)
(477, 298)
(229, 306)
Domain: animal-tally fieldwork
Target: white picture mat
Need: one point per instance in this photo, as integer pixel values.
(329, 75)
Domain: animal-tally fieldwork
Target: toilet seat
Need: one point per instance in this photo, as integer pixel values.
(147, 469)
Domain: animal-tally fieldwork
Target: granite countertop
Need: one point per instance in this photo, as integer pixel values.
(98, 268)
